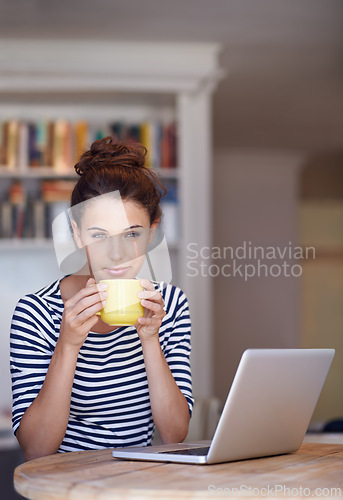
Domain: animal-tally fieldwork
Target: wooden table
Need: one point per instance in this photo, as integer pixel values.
(96, 475)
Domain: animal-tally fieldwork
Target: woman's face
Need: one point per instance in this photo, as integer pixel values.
(115, 234)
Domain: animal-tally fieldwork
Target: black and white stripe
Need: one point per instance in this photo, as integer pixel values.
(110, 403)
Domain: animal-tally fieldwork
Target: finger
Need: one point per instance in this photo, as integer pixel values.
(88, 291)
(152, 306)
(151, 295)
(146, 284)
(90, 312)
(94, 301)
(82, 317)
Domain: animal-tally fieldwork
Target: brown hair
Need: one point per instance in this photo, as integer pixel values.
(110, 166)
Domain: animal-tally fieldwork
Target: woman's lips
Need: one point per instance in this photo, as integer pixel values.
(117, 271)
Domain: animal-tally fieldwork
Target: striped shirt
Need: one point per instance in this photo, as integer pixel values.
(110, 404)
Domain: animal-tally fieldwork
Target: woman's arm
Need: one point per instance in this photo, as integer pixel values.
(44, 423)
(169, 406)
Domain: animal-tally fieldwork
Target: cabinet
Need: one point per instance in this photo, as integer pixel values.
(133, 82)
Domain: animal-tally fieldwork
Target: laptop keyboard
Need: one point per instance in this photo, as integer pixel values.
(188, 451)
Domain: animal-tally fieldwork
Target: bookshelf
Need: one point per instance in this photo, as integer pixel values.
(103, 82)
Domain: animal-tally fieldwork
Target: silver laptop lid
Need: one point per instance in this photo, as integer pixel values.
(270, 403)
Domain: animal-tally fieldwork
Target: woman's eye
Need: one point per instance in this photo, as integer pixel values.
(131, 234)
(98, 235)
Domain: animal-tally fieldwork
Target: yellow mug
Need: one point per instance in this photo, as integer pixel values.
(123, 306)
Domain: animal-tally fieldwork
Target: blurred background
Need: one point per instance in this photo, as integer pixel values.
(275, 125)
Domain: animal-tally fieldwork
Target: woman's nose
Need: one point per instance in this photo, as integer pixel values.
(116, 249)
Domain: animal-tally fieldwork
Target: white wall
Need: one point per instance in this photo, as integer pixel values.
(255, 199)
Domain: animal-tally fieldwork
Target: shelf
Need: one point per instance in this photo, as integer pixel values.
(35, 173)
(26, 243)
(50, 173)
(44, 244)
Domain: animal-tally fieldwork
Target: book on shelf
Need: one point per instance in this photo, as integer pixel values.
(60, 143)
(12, 143)
(12, 211)
(62, 146)
(147, 141)
(30, 151)
(38, 219)
(23, 145)
(5, 219)
(57, 190)
(3, 142)
(56, 197)
(25, 216)
(46, 148)
(81, 134)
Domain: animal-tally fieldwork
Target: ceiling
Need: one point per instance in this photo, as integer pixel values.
(284, 83)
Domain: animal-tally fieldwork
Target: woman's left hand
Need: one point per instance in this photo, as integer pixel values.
(148, 326)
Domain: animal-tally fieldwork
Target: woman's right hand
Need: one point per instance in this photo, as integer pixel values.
(79, 313)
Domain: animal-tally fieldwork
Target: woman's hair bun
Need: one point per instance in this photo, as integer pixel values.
(108, 153)
(110, 166)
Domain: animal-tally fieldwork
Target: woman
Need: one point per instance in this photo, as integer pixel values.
(78, 383)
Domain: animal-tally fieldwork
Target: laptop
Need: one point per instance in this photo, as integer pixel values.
(267, 411)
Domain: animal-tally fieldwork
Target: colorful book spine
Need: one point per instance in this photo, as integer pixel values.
(12, 145)
(23, 146)
(81, 139)
(147, 141)
(60, 143)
